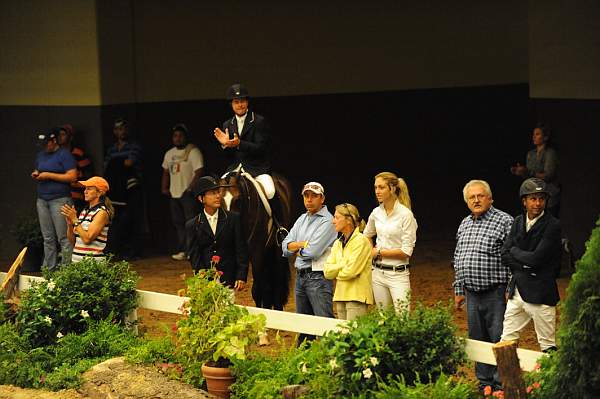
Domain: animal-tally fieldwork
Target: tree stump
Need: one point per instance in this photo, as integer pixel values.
(293, 391)
(509, 370)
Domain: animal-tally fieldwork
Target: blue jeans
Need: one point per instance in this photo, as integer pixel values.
(485, 316)
(54, 230)
(314, 296)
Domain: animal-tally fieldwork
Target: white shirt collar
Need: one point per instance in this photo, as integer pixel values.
(531, 222)
(213, 217)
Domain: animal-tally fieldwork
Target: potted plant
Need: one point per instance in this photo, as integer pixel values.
(27, 232)
(213, 332)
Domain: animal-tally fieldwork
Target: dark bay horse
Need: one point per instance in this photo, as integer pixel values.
(270, 270)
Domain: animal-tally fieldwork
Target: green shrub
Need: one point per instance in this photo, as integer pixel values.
(4, 309)
(376, 348)
(417, 345)
(61, 304)
(28, 233)
(150, 351)
(574, 371)
(59, 366)
(443, 388)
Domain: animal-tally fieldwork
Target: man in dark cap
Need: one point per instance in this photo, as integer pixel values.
(246, 140)
(217, 232)
(532, 251)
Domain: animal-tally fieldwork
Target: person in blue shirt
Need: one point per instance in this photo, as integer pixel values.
(55, 169)
(310, 239)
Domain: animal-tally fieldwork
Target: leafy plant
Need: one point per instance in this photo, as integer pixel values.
(147, 351)
(574, 371)
(417, 345)
(442, 388)
(213, 329)
(69, 296)
(27, 232)
(59, 366)
(375, 349)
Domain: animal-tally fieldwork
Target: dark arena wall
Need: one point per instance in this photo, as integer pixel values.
(438, 94)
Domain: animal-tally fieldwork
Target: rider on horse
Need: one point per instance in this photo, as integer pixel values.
(246, 140)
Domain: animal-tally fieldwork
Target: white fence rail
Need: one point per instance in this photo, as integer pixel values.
(476, 350)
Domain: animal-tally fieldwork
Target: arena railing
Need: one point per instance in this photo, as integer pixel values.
(477, 351)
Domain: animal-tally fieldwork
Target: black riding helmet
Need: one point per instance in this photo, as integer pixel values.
(533, 185)
(237, 91)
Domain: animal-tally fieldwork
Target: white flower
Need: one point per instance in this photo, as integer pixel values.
(344, 330)
(51, 285)
(304, 368)
(367, 373)
(59, 335)
(374, 361)
(84, 314)
(48, 319)
(333, 364)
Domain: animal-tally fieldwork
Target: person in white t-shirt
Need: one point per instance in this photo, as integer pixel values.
(182, 166)
(396, 229)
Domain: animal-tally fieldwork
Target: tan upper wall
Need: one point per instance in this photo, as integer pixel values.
(564, 55)
(86, 52)
(48, 53)
(194, 50)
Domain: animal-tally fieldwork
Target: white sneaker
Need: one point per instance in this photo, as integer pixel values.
(179, 256)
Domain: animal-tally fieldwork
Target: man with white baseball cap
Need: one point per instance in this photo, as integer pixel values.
(310, 239)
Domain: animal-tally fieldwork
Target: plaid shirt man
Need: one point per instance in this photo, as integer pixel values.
(477, 262)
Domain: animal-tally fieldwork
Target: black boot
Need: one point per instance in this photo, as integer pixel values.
(277, 214)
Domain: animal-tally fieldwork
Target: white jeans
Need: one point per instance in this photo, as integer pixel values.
(391, 287)
(518, 314)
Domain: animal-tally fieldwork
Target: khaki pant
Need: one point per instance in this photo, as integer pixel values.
(519, 313)
(349, 310)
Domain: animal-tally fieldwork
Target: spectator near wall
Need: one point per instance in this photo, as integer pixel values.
(84, 164)
(123, 171)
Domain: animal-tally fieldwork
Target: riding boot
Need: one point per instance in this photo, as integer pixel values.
(278, 219)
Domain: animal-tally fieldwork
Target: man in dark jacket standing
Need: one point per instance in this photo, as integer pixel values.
(216, 232)
(532, 252)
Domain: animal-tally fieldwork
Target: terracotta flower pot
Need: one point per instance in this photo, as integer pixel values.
(218, 380)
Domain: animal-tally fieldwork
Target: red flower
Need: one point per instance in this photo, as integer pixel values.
(174, 328)
(215, 259)
(487, 390)
(220, 273)
(529, 389)
(536, 384)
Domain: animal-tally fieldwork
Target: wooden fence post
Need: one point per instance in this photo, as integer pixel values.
(509, 370)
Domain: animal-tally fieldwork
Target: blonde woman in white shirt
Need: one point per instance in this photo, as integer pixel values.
(396, 229)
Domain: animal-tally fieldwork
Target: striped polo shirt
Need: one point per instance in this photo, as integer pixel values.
(94, 249)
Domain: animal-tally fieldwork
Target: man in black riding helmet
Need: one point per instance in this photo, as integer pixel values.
(532, 251)
(215, 232)
(246, 140)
